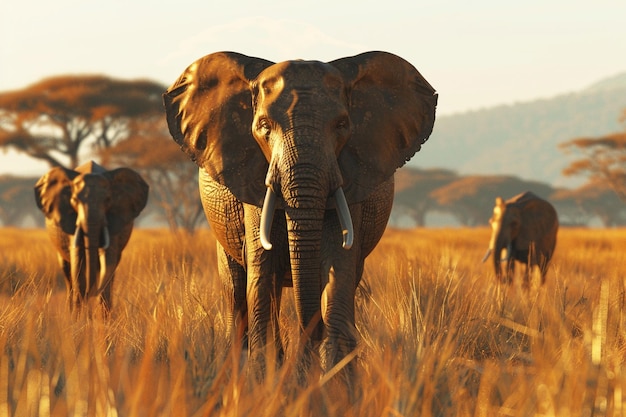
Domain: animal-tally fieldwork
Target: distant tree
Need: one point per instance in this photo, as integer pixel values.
(594, 199)
(603, 159)
(17, 201)
(172, 176)
(471, 199)
(413, 188)
(53, 120)
(567, 205)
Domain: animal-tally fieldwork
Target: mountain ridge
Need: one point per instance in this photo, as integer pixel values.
(523, 138)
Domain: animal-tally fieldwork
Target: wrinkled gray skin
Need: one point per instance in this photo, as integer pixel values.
(89, 217)
(524, 226)
(296, 179)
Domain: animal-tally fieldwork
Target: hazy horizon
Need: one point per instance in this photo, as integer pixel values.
(476, 55)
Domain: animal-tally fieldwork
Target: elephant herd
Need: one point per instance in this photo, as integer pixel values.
(296, 173)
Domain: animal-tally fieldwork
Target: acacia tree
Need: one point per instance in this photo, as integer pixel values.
(471, 198)
(172, 176)
(413, 187)
(54, 119)
(603, 159)
(593, 199)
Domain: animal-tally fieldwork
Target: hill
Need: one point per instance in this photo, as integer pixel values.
(522, 139)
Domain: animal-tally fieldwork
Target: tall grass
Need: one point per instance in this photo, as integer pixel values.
(438, 336)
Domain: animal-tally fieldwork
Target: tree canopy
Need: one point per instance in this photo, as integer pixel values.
(602, 159)
(54, 119)
(471, 198)
(172, 176)
(595, 198)
(413, 188)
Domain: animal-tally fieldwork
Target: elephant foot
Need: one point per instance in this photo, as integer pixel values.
(338, 358)
(256, 368)
(505, 280)
(263, 362)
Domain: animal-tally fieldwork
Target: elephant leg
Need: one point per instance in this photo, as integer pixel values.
(338, 317)
(528, 268)
(510, 270)
(77, 276)
(233, 277)
(277, 288)
(259, 293)
(105, 297)
(338, 313)
(67, 273)
(110, 259)
(543, 267)
(340, 278)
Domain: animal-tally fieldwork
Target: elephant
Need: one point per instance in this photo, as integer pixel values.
(526, 226)
(89, 214)
(296, 163)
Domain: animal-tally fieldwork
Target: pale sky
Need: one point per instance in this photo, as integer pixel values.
(477, 53)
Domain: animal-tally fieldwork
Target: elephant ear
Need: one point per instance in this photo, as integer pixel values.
(129, 195)
(53, 192)
(392, 110)
(209, 114)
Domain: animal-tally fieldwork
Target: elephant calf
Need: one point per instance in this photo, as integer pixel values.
(89, 216)
(526, 226)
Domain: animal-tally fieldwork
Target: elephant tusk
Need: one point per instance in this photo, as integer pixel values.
(345, 219)
(78, 236)
(267, 217)
(103, 272)
(487, 255)
(106, 238)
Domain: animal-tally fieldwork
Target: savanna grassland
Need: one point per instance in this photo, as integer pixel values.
(438, 337)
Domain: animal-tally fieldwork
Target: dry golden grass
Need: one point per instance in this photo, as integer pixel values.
(438, 336)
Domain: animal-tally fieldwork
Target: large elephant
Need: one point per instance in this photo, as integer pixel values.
(296, 179)
(89, 215)
(526, 227)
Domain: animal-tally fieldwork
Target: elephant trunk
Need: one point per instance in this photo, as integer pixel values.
(496, 244)
(497, 263)
(90, 239)
(92, 254)
(77, 266)
(93, 238)
(500, 245)
(304, 229)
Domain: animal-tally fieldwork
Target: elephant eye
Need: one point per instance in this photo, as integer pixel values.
(264, 127)
(342, 123)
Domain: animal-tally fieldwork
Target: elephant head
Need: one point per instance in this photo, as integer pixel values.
(505, 228)
(93, 206)
(525, 226)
